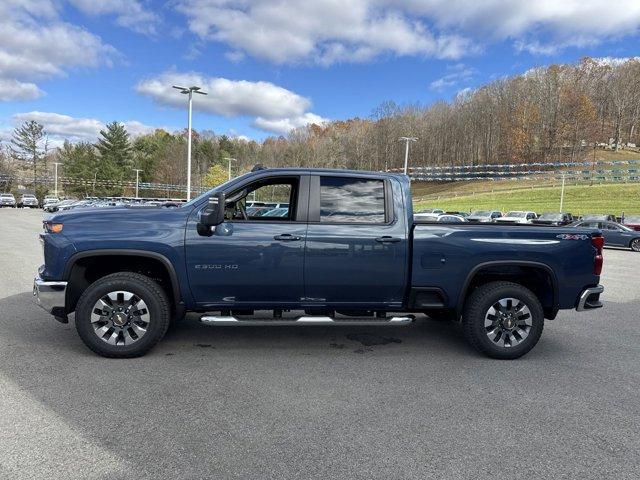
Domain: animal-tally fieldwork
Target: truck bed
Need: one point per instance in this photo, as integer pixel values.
(447, 256)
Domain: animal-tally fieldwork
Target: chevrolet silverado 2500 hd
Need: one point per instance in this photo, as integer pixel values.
(346, 250)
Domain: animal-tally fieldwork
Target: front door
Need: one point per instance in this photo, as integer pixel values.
(356, 249)
(255, 257)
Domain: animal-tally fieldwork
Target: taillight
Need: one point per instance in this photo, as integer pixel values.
(598, 243)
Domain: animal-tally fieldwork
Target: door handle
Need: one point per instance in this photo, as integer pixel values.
(286, 237)
(387, 239)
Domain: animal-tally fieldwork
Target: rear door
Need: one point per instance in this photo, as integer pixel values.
(356, 248)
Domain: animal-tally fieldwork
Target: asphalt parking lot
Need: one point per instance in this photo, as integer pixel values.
(316, 402)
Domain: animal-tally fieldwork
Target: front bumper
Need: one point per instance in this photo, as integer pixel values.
(50, 296)
(589, 299)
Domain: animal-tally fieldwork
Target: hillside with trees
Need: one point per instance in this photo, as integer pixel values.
(547, 114)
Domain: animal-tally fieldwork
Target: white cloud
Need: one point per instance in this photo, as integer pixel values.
(11, 89)
(540, 27)
(35, 45)
(458, 73)
(129, 13)
(64, 127)
(285, 125)
(330, 31)
(321, 31)
(274, 108)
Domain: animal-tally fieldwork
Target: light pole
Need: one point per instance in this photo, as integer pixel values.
(230, 160)
(55, 176)
(137, 170)
(562, 194)
(406, 151)
(189, 91)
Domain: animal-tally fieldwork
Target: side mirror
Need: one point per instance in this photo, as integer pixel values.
(213, 214)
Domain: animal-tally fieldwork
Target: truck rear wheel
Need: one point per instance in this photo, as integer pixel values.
(122, 315)
(503, 320)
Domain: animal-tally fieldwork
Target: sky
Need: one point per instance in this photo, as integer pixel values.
(272, 65)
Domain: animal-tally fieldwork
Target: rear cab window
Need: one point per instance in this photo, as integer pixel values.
(353, 200)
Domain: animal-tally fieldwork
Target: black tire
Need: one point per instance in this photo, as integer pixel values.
(144, 288)
(477, 307)
(635, 245)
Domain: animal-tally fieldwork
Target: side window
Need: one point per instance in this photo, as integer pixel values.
(265, 200)
(351, 200)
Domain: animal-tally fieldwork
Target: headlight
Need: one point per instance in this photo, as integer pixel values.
(51, 227)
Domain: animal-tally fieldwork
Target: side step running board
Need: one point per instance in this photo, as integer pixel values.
(236, 322)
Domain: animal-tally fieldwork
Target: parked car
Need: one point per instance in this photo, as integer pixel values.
(460, 214)
(516, 216)
(615, 234)
(599, 217)
(554, 218)
(7, 200)
(484, 216)
(449, 218)
(62, 205)
(127, 272)
(633, 222)
(28, 201)
(436, 211)
(49, 200)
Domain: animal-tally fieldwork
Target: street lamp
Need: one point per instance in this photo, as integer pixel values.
(230, 160)
(406, 152)
(189, 91)
(55, 176)
(137, 170)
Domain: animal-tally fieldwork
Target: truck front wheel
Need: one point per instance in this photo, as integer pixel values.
(503, 320)
(122, 315)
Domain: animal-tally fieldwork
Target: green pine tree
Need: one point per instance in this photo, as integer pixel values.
(26, 145)
(116, 155)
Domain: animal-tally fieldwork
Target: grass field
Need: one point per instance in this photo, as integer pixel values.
(578, 199)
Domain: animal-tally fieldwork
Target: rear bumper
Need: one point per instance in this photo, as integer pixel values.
(589, 299)
(50, 296)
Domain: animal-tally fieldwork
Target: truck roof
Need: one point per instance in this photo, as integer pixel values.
(337, 171)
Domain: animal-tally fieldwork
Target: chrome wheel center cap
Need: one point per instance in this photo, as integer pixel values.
(119, 319)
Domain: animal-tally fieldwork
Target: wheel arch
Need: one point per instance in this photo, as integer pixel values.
(514, 270)
(74, 271)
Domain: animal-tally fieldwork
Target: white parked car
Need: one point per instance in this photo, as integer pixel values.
(7, 200)
(428, 214)
(450, 218)
(484, 216)
(517, 217)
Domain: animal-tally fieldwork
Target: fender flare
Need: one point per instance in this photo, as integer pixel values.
(507, 263)
(173, 277)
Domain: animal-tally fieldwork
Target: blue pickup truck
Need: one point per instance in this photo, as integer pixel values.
(346, 250)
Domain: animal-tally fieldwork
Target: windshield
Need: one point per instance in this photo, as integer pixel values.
(551, 216)
(481, 213)
(516, 214)
(7, 195)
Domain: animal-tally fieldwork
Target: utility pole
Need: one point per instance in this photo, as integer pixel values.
(230, 160)
(189, 91)
(562, 193)
(137, 170)
(55, 176)
(406, 151)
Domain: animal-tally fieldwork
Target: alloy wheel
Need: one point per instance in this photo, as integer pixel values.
(508, 322)
(120, 318)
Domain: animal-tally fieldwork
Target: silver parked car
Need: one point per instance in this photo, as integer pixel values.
(7, 200)
(28, 201)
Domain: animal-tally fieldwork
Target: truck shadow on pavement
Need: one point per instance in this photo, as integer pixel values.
(29, 330)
